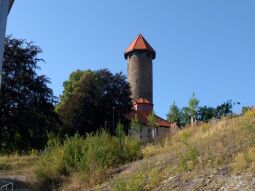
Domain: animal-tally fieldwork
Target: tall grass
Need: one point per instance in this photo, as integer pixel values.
(91, 157)
(229, 142)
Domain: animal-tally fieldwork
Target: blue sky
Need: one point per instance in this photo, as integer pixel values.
(206, 47)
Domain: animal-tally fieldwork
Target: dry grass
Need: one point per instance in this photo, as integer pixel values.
(21, 168)
(228, 142)
(244, 161)
(16, 164)
(152, 150)
(149, 176)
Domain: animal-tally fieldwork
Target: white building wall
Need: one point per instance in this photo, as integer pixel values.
(148, 134)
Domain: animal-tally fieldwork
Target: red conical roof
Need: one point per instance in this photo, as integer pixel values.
(140, 44)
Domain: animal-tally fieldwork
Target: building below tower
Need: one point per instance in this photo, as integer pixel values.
(139, 56)
(142, 111)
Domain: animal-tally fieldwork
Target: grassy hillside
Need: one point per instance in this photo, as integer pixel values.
(203, 157)
(212, 156)
(20, 170)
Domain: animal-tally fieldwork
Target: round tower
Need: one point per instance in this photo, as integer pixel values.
(139, 56)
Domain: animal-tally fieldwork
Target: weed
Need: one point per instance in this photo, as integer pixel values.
(244, 161)
(248, 120)
(4, 165)
(185, 135)
(51, 165)
(133, 183)
(188, 160)
(90, 156)
(205, 127)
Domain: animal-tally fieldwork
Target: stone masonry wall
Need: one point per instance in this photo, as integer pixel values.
(140, 75)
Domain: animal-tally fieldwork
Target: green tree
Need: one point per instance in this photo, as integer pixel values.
(135, 126)
(206, 113)
(193, 106)
(185, 116)
(88, 99)
(26, 102)
(120, 134)
(152, 123)
(174, 115)
(224, 109)
(245, 109)
(72, 86)
(152, 120)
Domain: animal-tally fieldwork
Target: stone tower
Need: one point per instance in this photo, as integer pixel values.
(139, 56)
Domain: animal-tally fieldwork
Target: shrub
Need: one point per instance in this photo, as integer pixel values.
(91, 156)
(100, 151)
(73, 151)
(248, 119)
(133, 183)
(132, 149)
(188, 160)
(51, 165)
(151, 150)
(147, 178)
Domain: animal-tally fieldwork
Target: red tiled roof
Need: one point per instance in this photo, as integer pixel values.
(141, 100)
(163, 123)
(140, 44)
(142, 117)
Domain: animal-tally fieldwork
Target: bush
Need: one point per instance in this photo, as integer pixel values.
(51, 165)
(248, 120)
(188, 160)
(132, 150)
(73, 149)
(134, 183)
(91, 156)
(147, 178)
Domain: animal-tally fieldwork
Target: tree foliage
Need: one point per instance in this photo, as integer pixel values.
(152, 120)
(193, 106)
(185, 116)
(174, 115)
(135, 126)
(224, 109)
(189, 114)
(72, 86)
(26, 102)
(88, 99)
(245, 109)
(207, 113)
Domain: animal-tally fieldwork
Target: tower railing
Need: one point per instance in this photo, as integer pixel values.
(7, 187)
